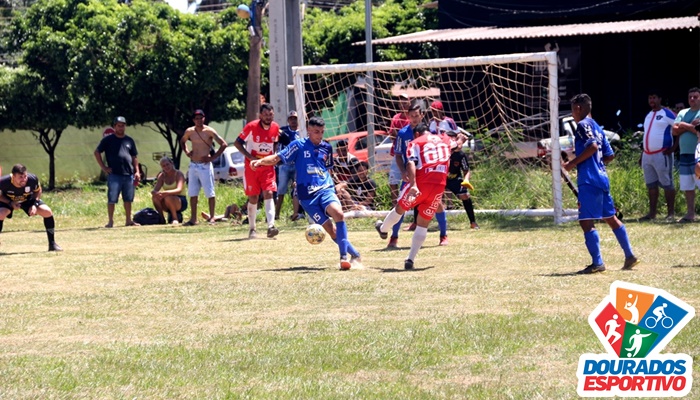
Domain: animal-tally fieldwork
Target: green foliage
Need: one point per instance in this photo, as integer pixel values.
(328, 37)
(86, 61)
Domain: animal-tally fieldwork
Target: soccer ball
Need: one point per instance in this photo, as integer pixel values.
(315, 234)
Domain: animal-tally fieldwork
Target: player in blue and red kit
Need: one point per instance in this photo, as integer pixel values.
(593, 151)
(313, 159)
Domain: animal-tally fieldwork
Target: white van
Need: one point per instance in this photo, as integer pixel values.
(229, 165)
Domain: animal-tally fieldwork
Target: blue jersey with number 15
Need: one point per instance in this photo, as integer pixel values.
(312, 165)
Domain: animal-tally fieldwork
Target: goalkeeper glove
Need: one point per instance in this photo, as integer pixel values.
(467, 184)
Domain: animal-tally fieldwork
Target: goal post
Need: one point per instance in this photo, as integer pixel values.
(506, 102)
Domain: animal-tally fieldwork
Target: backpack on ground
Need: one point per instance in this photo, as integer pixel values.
(147, 216)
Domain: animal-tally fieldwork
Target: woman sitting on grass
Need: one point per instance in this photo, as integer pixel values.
(169, 192)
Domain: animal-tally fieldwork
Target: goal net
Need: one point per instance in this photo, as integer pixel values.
(506, 104)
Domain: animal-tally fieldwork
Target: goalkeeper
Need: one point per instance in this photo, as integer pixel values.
(458, 178)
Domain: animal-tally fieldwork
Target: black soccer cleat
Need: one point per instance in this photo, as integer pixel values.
(408, 264)
(378, 227)
(592, 269)
(55, 247)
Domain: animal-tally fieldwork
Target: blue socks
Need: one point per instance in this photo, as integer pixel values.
(441, 218)
(341, 233)
(396, 227)
(593, 244)
(624, 240)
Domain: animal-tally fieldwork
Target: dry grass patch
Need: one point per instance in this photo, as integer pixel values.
(180, 313)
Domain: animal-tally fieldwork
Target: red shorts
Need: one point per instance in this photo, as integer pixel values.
(261, 179)
(427, 201)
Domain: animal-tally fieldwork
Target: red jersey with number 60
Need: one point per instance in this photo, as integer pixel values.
(431, 154)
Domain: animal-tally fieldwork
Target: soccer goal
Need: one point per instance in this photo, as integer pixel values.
(507, 104)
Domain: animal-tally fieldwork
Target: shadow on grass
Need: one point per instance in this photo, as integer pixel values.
(561, 274)
(301, 268)
(389, 270)
(384, 249)
(517, 223)
(245, 239)
(21, 252)
(686, 266)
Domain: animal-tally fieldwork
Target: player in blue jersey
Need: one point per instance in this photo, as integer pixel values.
(593, 152)
(313, 159)
(403, 138)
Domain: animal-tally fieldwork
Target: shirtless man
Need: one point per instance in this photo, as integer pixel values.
(201, 173)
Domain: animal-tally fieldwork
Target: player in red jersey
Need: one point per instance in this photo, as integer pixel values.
(259, 139)
(427, 167)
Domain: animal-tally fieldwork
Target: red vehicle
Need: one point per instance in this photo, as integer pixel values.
(357, 142)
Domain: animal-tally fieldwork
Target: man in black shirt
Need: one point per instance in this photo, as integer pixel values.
(21, 190)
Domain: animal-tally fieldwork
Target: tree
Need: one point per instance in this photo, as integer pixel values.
(160, 65)
(328, 36)
(145, 61)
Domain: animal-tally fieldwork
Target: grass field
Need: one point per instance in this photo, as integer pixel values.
(203, 313)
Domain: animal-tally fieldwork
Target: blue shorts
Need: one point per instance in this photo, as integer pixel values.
(594, 203)
(285, 175)
(686, 172)
(316, 207)
(123, 184)
(183, 203)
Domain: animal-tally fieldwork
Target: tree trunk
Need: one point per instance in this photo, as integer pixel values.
(49, 143)
(253, 97)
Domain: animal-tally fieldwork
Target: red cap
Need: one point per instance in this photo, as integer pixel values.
(436, 105)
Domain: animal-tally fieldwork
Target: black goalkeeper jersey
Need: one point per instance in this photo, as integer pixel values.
(458, 164)
(20, 194)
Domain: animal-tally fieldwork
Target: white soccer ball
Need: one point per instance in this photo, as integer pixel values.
(315, 234)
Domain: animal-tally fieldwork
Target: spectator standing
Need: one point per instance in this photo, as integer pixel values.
(286, 172)
(258, 140)
(313, 159)
(684, 128)
(22, 191)
(678, 107)
(593, 152)
(200, 175)
(657, 157)
(398, 121)
(122, 169)
(168, 194)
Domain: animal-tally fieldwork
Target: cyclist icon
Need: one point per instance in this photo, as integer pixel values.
(659, 315)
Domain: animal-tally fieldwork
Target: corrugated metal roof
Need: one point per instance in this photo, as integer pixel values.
(526, 32)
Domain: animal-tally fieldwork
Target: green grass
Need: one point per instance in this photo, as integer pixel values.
(202, 313)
